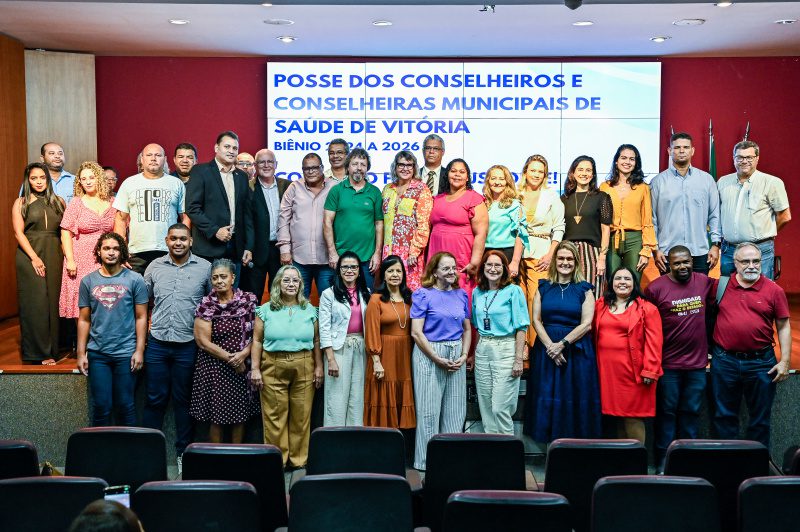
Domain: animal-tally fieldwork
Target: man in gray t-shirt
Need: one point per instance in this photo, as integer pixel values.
(111, 332)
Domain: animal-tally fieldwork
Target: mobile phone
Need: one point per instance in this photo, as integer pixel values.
(120, 494)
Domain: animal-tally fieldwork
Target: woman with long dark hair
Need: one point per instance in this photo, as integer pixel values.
(588, 213)
(634, 237)
(35, 219)
(628, 336)
(389, 392)
(341, 338)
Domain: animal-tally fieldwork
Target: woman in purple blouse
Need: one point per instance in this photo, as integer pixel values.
(442, 332)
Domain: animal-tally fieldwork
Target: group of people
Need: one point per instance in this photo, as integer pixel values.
(417, 283)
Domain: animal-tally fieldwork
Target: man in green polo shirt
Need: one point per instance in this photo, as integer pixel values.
(354, 217)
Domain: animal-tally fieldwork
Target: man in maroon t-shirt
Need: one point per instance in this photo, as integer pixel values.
(743, 355)
(682, 298)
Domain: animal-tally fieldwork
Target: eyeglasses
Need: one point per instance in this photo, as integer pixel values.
(244, 164)
(751, 262)
(309, 169)
(432, 148)
(266, 162)
(349, 267)
(404, 165)
(748, 158)
(488, 266)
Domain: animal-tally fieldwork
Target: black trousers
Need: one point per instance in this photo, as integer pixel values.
(255, 279)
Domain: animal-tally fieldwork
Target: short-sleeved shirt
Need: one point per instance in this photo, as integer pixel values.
(683, 308)
(288, 329)
(504, 224)
(747, 210)
(176, 291)
(112, 302)
(506, 310)
(444, 311)
(153, 205)
(356, 214)
(745, 316)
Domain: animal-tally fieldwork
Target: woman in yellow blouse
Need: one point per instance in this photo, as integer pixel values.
(633, 236)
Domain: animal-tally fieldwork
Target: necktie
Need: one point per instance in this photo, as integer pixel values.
(431, 176)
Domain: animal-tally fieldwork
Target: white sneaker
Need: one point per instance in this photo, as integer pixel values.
(179, 460)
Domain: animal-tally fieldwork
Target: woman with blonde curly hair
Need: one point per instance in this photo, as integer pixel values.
(88, 215)
(505, 216)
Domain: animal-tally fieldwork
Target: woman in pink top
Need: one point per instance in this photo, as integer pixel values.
(459, 222)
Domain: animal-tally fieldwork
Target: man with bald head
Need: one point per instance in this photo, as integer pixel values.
(247, 164)
(53, 158)
(148, 203)
(261, 247)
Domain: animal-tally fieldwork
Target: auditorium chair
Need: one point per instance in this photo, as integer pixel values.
(469, 462)
(18, 458)
(118, 455)
(191, 506)
(654, 503)
(510, 511)
(360, 450)
(769, 503)
(260, 465)
(724, 463)
(573, 467)
(794, 463)
(347, 502)
(45, 504)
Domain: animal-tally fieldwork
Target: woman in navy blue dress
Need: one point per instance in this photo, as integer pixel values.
(563, 399)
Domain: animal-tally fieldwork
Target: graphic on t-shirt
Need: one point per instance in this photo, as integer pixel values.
(109, 294)
(153, 204)
(686, 306)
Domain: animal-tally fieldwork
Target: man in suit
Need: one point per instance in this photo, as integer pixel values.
(262, 234)
(218, 204)
(432, 153)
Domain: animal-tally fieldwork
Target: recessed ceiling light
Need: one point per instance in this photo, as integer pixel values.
(287, 39)
(786, 21)
(660, 39)
(279, 21)
(689, 22)
(178, 21)
(724, 4)
(266, 4)
(583, 23)
(382, 23)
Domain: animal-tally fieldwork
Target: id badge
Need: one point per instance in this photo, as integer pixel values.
(487, 324)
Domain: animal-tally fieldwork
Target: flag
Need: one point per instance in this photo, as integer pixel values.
(712, 153)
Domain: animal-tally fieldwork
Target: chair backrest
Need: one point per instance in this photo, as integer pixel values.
(510, 511)
(190, 506)
(574, 466)
(260, 465)
(45, 504)
(634, 503)
(724, 463)
(769, 503)
(794, 463)
(356, 450)
(458, 462)
(18, 458)
(118, 455)
(350, 501)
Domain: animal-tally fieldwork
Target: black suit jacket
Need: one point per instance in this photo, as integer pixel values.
(258, 229)
(207, 207)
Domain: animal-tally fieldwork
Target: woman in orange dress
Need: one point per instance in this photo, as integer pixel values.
(389, 393)
(628, 336)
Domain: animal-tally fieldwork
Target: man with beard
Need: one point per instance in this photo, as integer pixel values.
(217, 202)
(432, 152)
(176, 283)
(686, 209)
(111, 332)
(54, 159)
(683, 298)
(147, 204)
(743, 362)
(337, 153)
(111, 179)
(354, 217)
(185, 157)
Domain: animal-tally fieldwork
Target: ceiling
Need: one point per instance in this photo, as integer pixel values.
(446, 29)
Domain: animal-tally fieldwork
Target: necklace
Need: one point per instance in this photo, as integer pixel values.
(401, 323)
(563, 287)
(578, 209)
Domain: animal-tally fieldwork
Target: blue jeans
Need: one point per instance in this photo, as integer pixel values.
(731, 379)
(767, 248)
(321, 274)
(112, 383)
(679, 397)
(367, 275)
(169, 367)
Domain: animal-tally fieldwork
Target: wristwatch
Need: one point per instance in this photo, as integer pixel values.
(565, 342)
(716, 243)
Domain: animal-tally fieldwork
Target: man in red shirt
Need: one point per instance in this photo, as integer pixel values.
(743, 355)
